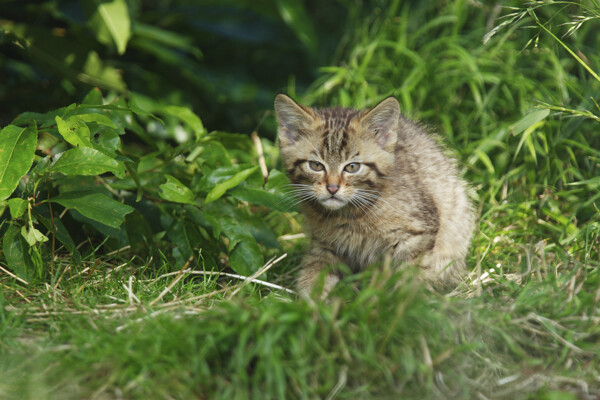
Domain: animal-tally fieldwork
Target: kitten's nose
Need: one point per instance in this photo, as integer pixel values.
(332, 188)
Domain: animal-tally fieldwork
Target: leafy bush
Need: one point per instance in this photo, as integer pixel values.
(83, 191)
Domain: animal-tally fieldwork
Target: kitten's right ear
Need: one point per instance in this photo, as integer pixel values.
(381, 121)
(292, 119)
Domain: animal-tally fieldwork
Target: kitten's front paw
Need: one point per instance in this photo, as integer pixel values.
(315, 288)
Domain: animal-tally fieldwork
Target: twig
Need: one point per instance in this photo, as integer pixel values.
(61, 277)
(261, 155)
(342, 379)
(292, 237)
(13, 275)
(112, 253)
(258, 281)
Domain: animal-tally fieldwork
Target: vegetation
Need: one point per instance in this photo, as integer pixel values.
(146, 256)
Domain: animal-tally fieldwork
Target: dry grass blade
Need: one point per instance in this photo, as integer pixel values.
(258, 273)
(178, 277)
(261, 155)
(7, 272)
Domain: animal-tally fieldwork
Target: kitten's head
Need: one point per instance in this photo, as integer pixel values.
(337, 157)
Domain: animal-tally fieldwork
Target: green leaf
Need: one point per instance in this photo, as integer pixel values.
(109, 142)
(17, 148)
(100, 119)
(99, 73)
(296, 17)
(111, 24)
(74, 131)
(176, 191)
(220, 189)
(245, 256)
(95, 206)
(528, 120)
(264, 198)
(87, 161)
(17, 207)
(16, 253)
(186, 115)
(94, 96)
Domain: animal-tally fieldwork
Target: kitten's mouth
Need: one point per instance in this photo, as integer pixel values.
(333, 203)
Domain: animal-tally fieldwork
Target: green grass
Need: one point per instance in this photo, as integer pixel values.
(524, 325)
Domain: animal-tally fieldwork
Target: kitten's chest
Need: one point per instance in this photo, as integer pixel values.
(358, 243)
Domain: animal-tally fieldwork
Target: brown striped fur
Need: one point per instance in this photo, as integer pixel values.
(405, 198)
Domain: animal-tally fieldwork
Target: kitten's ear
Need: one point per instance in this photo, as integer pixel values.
(292, 119)
(381, 121)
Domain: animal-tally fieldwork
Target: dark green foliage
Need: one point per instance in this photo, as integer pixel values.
(226, 58)
(175, 198)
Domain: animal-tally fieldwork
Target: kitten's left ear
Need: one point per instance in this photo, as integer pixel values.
(292, 119)
(381, 121)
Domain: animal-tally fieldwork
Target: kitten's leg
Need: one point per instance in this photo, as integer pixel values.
(443, 270)
(440, 270)
(317, 260)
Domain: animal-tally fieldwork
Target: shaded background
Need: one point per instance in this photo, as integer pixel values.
(224, 59)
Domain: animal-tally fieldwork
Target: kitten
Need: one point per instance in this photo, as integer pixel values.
(373, 183)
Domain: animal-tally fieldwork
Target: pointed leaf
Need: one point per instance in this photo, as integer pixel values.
(220, 189)
(528, 120)
(176, 191)
(17, 148)
(74, 131)
(95, 206)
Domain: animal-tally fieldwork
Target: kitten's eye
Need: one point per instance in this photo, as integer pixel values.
(316, 166)
(352, 167)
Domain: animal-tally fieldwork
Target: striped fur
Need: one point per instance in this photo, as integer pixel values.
(404, 198)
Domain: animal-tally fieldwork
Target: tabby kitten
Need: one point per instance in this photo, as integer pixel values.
(373, 183)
